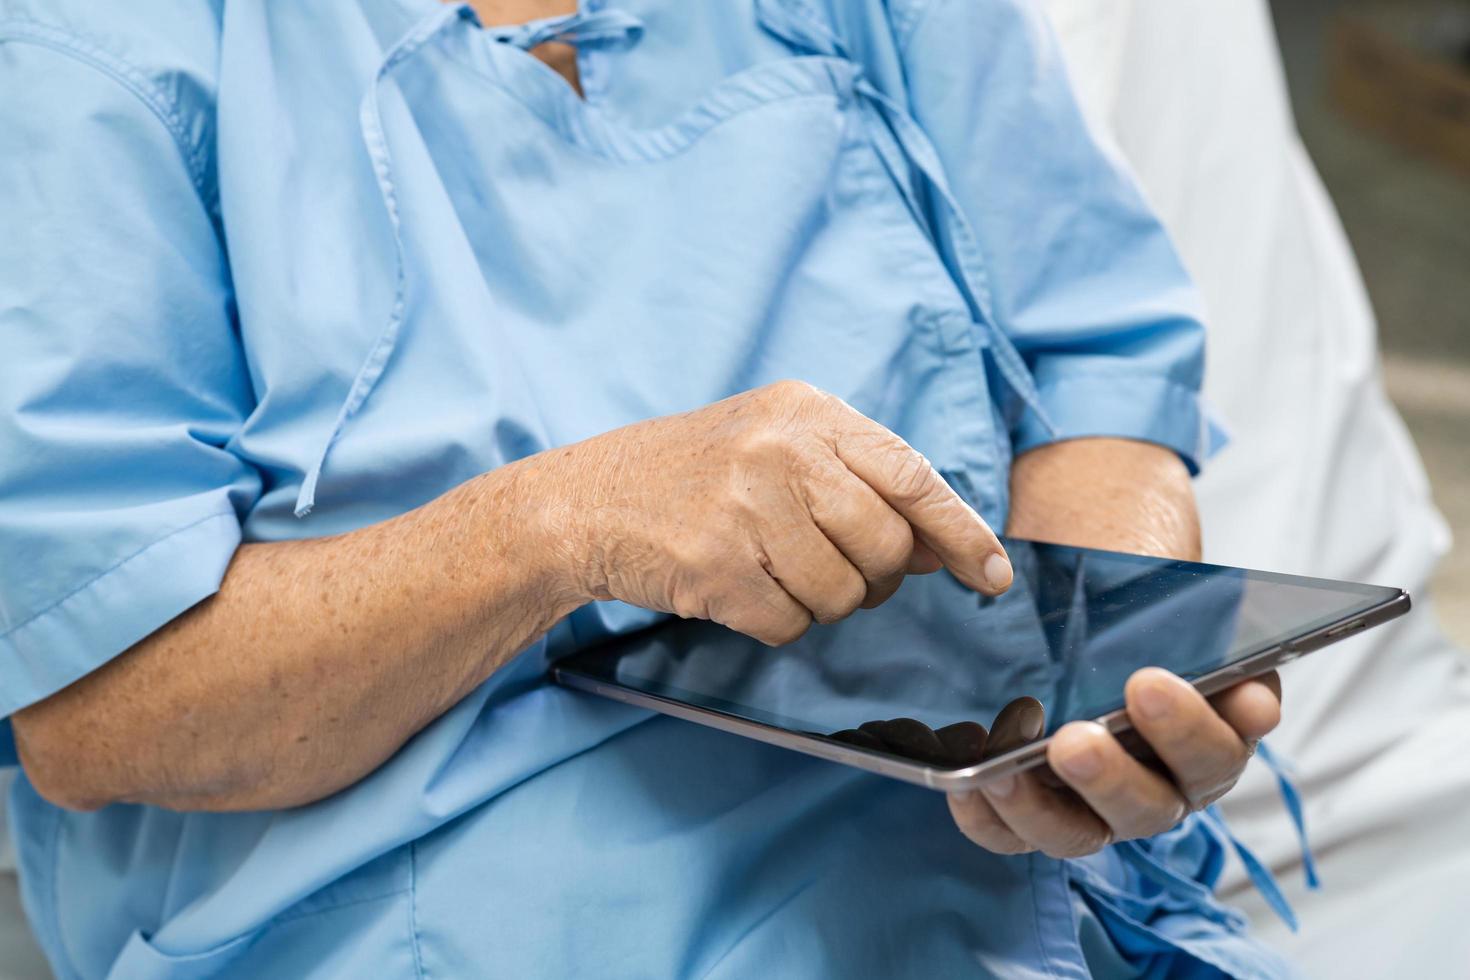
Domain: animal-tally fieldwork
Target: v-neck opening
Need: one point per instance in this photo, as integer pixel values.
(586, 125)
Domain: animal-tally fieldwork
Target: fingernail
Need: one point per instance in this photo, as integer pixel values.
(1152, 700)
(1032, 722)
(1002, 787)
(998, 572)
(1084, 765)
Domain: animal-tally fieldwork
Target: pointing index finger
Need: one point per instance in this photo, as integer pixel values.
(945, 523)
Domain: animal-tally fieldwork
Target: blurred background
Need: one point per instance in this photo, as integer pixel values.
(1381, 91)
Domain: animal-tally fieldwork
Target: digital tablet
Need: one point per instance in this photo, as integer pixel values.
(914, 688)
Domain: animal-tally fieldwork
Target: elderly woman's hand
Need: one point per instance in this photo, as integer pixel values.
(764, 512)
(1127, 496)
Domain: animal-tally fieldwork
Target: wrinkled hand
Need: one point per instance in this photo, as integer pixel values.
(764, 512)
(1097, 793)
(1127, 496)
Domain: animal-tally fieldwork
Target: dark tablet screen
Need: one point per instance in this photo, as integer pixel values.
(1072, 628)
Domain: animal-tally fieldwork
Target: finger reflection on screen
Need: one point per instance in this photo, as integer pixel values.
(954, 746)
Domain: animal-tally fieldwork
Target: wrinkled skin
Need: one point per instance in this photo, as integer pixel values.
(766, 512)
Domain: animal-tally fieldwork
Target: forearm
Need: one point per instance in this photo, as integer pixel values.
(314, 662)
(1118, 494)
(318, 659)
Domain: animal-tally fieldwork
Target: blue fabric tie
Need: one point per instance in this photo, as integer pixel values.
(1260, 875)
(592, 27)
(1293, 802)
(795, 23)
(370, 120)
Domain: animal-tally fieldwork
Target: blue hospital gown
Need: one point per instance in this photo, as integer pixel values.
(276, 270)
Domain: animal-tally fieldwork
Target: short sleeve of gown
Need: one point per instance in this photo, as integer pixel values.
(122, 380)
(1085, 280)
